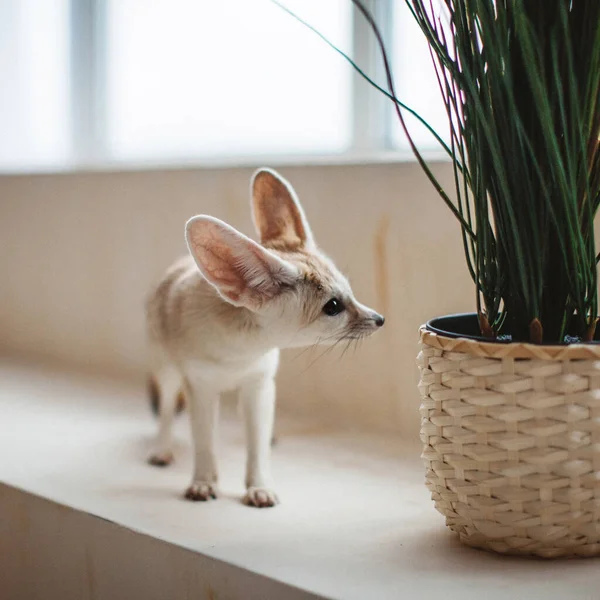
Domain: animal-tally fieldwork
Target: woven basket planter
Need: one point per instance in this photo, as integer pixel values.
(511, 436)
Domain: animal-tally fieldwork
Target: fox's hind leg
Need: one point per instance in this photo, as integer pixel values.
(166, 397)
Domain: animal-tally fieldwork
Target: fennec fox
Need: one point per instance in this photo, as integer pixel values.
(219, 317)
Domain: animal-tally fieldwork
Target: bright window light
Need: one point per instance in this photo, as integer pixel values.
(34, 70)
(416, 83)
(192, 78)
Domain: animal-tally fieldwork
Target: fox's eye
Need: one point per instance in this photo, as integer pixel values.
(333, 307)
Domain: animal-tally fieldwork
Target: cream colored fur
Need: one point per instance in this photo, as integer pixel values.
(219, 317)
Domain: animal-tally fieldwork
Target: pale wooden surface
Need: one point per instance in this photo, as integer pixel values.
(356, 519)
(53, 552)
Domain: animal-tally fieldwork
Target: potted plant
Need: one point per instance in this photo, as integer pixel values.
(511, 392)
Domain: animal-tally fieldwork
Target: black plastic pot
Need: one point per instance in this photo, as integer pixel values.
(466, 325)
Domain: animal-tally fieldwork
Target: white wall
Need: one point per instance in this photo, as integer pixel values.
(79, 251)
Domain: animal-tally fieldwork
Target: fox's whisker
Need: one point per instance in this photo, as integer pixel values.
(325, 352)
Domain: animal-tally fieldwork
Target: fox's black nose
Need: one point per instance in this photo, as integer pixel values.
(379, 320)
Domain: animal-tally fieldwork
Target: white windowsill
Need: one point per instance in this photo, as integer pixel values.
(355, 521)
(228, 162)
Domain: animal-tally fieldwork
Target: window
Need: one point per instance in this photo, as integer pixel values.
(90, 82)
(416, 83)
(34, 70)
(199, 77)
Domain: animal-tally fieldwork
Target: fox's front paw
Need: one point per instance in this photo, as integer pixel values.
(161, 459)
(201, 491)
(260, 497)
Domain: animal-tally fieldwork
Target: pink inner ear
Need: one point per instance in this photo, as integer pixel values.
(277, 213)
(242, 271)
(218, 265)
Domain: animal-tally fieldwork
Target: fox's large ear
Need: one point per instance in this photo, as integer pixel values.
(277, 213)
(242, 271)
